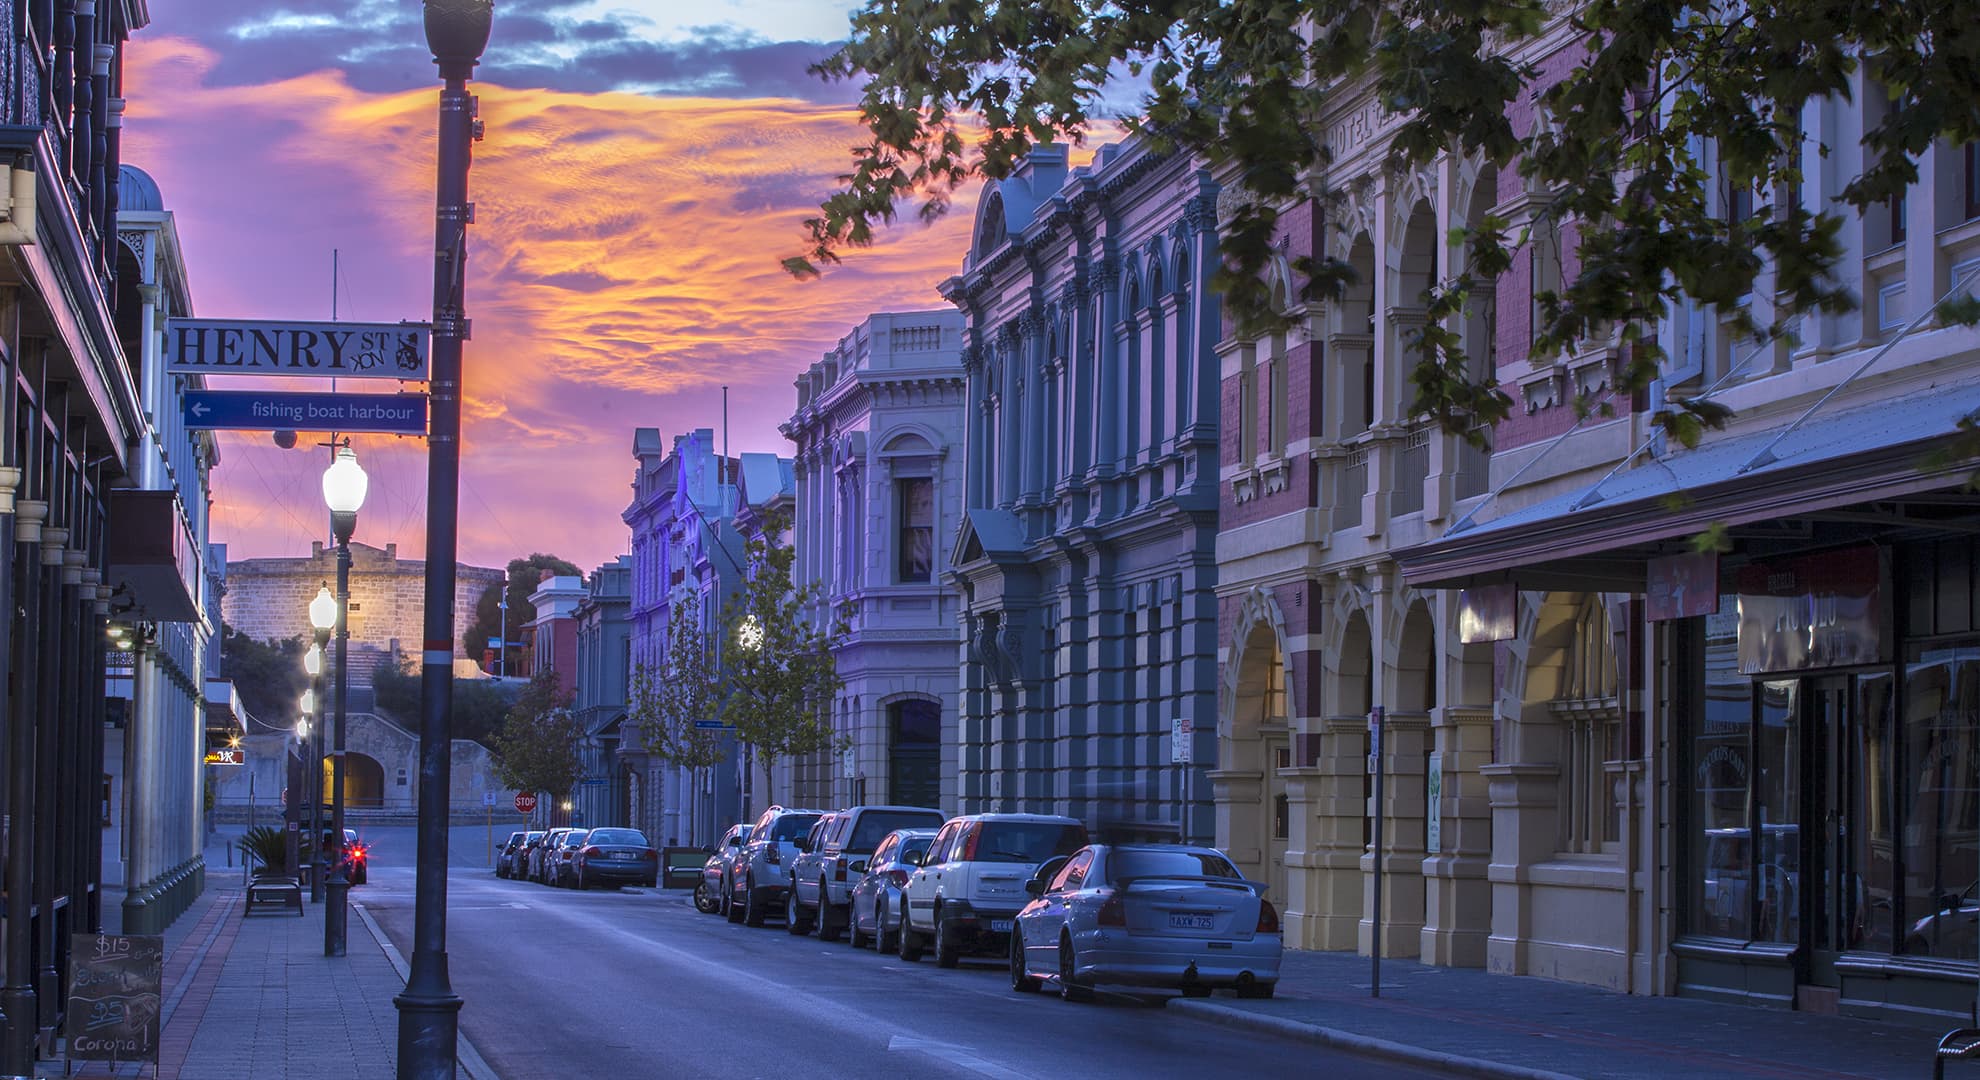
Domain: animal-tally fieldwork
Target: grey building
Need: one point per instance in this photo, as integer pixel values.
(604, 651)
(1086, 558)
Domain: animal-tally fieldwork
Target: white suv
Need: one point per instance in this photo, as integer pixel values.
(761, 874)
(970, 885)
(824, 878)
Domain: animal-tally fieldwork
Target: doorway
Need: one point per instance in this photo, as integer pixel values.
(1844, 724)
(914, 761)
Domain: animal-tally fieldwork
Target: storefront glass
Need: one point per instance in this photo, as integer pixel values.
(1869, 898)
(1721, 857)
(1777, 809)
(1941, 714)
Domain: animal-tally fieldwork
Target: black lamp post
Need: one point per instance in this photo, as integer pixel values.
(322, 616)
(429, 1010)
(344, 487)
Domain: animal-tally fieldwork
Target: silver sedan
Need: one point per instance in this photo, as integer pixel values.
(1146, 915)
(875, 908)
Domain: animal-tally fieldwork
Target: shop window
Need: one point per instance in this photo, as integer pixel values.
(1867, 899)
(1778, 748)
(1590, 715)
(1720, 853)
(915, 505)
(1941, 722)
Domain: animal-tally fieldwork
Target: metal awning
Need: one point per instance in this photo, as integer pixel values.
(1600, 538)
(152, 554)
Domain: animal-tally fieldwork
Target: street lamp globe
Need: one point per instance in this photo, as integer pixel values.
(323, 610)
(309, 702)
(749, 635)
(457, 30)
(302, 727)
(313, 661)
(345, 483)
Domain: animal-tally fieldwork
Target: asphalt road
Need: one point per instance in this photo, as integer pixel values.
(632, 984)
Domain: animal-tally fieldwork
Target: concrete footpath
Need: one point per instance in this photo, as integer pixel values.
(1471, 1023)
(249, 997)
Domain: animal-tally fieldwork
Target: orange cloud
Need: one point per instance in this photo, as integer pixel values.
(624, 264)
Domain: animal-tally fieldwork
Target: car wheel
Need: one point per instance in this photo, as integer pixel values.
(363, 875)
(947, 951)
(883, 941)
(909, 943)
(1256, 990)
(1021, 980)
(705, 901)
(582, 884)
(797, 918)
(854, 935)
(732, 907)
(829, 927)
(1070, 988)
(753, 910)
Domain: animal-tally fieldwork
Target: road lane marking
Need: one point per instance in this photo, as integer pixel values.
(954, 1055)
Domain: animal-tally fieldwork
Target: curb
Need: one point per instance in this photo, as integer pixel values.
(466, 1058)
(1362, 1045)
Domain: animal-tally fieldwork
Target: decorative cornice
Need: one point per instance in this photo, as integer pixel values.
(1103, 274)
(1031, 323)
(1074, 293)
(1200, 214)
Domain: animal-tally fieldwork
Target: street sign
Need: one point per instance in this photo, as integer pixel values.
(488, 798)
(257, 347)
(1181, 735)
(276, 410)
(711, 725)
(592, 781)
(525, 802)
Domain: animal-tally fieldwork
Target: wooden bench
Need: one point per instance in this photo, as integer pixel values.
(282, 892)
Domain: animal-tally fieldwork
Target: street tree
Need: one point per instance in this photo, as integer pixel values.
(1666, 100)
(479, 706)
(669, 705)
(778, 670)
(267, 674)
(537, 748)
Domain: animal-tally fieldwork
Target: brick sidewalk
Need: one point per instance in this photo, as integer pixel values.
(1499, 1025)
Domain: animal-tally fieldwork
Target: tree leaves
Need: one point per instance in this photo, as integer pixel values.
(668, 705)
(779, 670)
(537, 748)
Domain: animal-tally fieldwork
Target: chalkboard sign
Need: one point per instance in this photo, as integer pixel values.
(115, 984)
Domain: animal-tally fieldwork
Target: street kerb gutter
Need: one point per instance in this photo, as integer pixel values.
(470, 1062)
(1361, 1045)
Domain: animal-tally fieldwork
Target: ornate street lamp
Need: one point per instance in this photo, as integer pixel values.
(344, 486)
(429, 1010)
(322, 615)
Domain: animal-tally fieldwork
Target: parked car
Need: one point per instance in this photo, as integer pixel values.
(505, 854)
(1147, 915)
(970, 885)
(540, 856)
(874, 912)
(758, 881)
(712, 895)
(357, 856)
(519, 859)
(616, 857)
(563, 858)
(806, 870)
(825, 875)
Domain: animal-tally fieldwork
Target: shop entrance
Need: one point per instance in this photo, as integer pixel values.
(1843, 720)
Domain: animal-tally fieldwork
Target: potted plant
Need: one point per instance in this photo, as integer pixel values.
(270, 848)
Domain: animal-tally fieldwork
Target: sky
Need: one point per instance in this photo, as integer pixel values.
(642, 175)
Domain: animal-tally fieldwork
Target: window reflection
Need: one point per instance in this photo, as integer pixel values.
(1941, 711)
(1721, 853)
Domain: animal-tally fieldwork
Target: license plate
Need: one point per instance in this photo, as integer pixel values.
(627, 855)
(1190, 921)
(1000, 926)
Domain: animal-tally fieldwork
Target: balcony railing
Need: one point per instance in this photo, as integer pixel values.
(1412, 468)
(1353, 485)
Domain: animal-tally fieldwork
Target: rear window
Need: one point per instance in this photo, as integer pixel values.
(1144, 863)
(573, 838)
(789, 827)
(533, 838)
(1027, 841)
(632, 837)
(874, 826)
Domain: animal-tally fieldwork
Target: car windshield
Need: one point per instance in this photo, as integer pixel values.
(874, 825)
(1027, 841)
(790, 827)
(533, 838)
(1146, 863)
(625, 837)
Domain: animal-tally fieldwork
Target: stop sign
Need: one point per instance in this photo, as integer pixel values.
(525, 801)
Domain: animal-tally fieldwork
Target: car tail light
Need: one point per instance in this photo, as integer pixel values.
(969, 846)
(1268, 917)
(591, 853)
(652, 853)
(1113, 912)
(898, 877)
(839, 874)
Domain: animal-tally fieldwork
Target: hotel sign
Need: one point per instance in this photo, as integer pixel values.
(226, 755)
(341, 350)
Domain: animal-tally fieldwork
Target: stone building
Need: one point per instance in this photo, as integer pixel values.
(603, 671)
(879, 435)
(1086, 553)
(553, 632)
(268, 598)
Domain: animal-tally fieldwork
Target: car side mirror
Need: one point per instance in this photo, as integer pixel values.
(1036, 886)
(857, 866)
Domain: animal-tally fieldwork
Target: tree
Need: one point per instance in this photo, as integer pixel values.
(479, 705)
(779, 672)
(537, 748)
(666, 705)
(524, 576)
(267, 674)
(1664, 89)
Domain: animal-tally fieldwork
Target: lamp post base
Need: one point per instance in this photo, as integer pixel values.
(429, 1029)
(336, 914)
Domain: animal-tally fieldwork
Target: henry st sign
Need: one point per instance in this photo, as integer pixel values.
(338, 349)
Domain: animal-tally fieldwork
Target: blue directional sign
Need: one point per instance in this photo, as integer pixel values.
(274, 410)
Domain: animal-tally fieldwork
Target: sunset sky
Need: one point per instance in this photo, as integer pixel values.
(640, 179)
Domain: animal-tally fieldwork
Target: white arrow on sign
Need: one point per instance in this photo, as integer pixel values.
(199, 409)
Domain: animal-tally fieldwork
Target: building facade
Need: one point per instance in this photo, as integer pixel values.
(553, 633)
(1085, 557)
(684, 548)
(766, 496)
(603, 658)
(879, 460)
(268, 599)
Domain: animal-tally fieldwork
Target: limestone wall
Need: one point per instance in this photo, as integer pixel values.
(269, 598)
